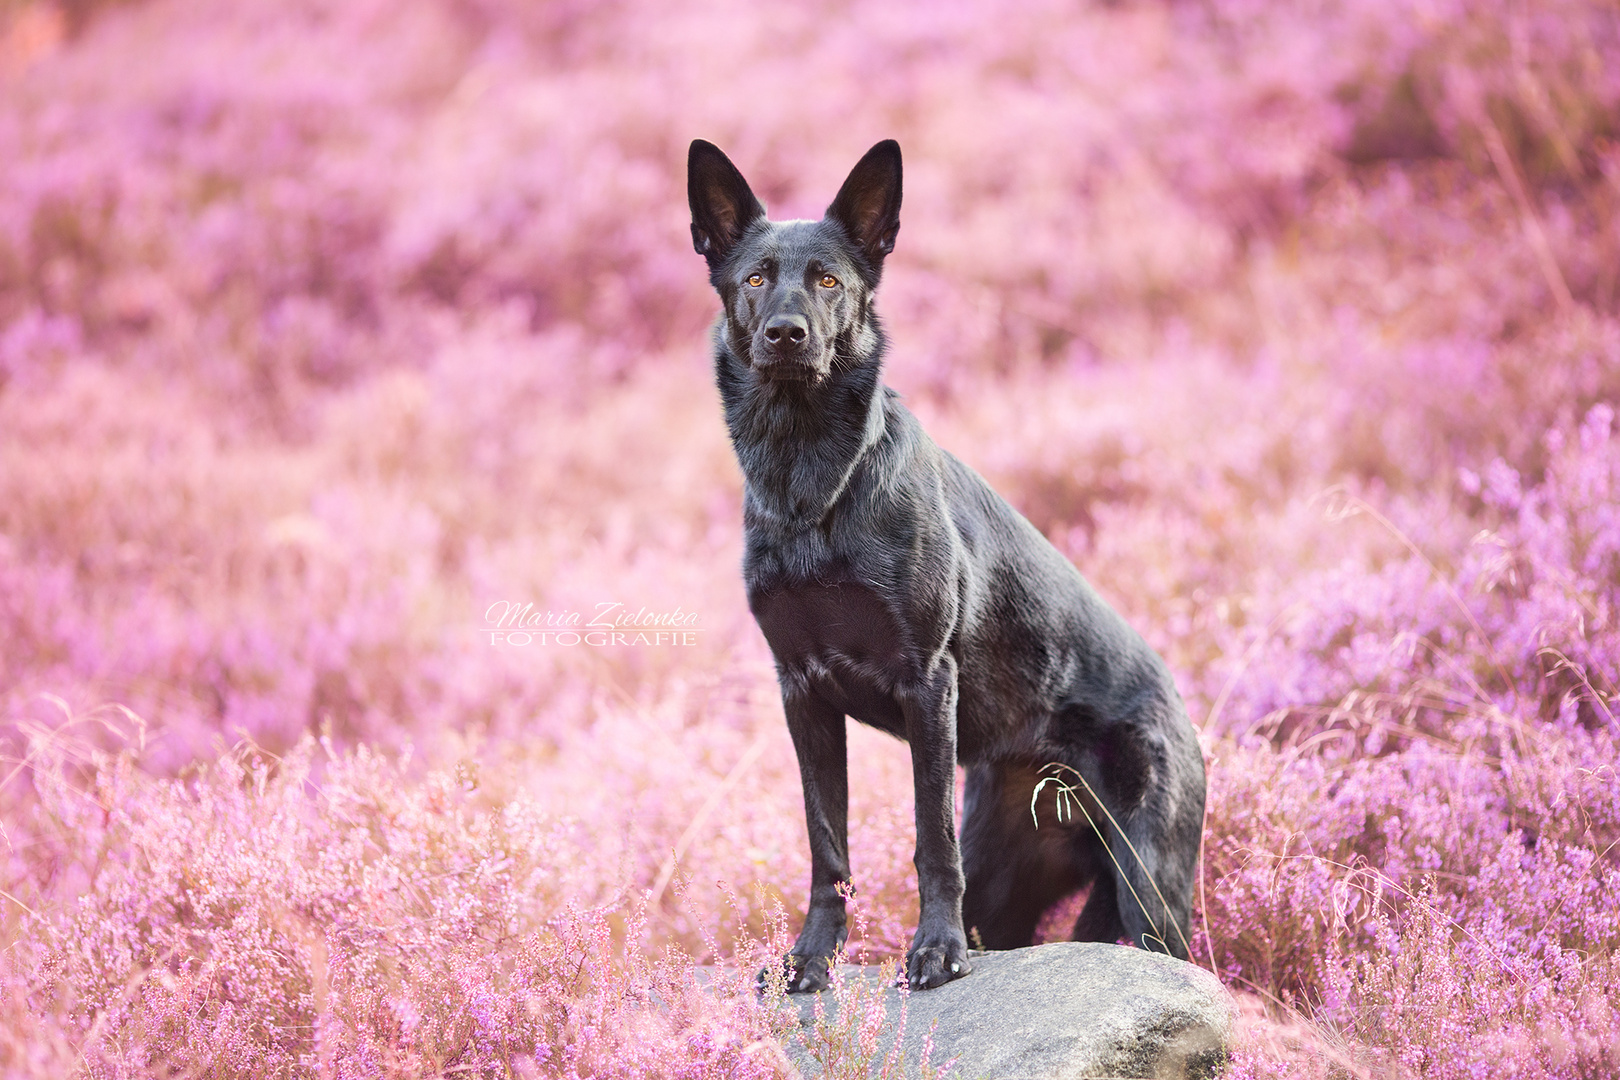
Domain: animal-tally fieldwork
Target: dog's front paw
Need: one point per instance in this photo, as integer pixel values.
(802, 974)
(928, 966)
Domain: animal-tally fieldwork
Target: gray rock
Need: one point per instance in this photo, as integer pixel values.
(1065, 1009)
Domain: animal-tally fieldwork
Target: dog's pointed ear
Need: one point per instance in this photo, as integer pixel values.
(868, 205)
(723, 205)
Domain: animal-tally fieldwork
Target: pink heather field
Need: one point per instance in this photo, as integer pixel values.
(329, 329)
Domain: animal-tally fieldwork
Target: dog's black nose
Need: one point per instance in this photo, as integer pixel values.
(789, 330)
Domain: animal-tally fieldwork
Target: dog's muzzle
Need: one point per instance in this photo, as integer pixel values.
(783, 350)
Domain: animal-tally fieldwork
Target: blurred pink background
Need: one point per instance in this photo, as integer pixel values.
(325, 326)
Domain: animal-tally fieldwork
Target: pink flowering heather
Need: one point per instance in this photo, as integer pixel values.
(329, 329)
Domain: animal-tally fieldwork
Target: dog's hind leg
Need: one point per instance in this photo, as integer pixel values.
(1015, 871)
(1148, 842)
(1149, 901)
(1099, 919)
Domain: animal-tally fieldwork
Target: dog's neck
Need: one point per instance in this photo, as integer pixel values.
(799, 444)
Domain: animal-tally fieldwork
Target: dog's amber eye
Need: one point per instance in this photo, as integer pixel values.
(828, 281)
(756, 280)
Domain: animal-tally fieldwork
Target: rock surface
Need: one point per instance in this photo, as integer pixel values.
(1065, 1009)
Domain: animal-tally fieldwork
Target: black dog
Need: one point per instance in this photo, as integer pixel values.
(895, 586)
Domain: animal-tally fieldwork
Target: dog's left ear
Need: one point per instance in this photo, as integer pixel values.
(868, 205)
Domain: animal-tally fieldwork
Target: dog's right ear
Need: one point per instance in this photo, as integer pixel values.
(723, 206)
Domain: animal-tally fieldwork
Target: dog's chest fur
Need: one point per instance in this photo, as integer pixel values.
(818, 465)
(840, 641)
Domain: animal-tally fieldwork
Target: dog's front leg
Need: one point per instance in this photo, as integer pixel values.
(819, 739)
(939, 951)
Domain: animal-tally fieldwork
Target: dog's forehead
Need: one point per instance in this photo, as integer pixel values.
(797, 242)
